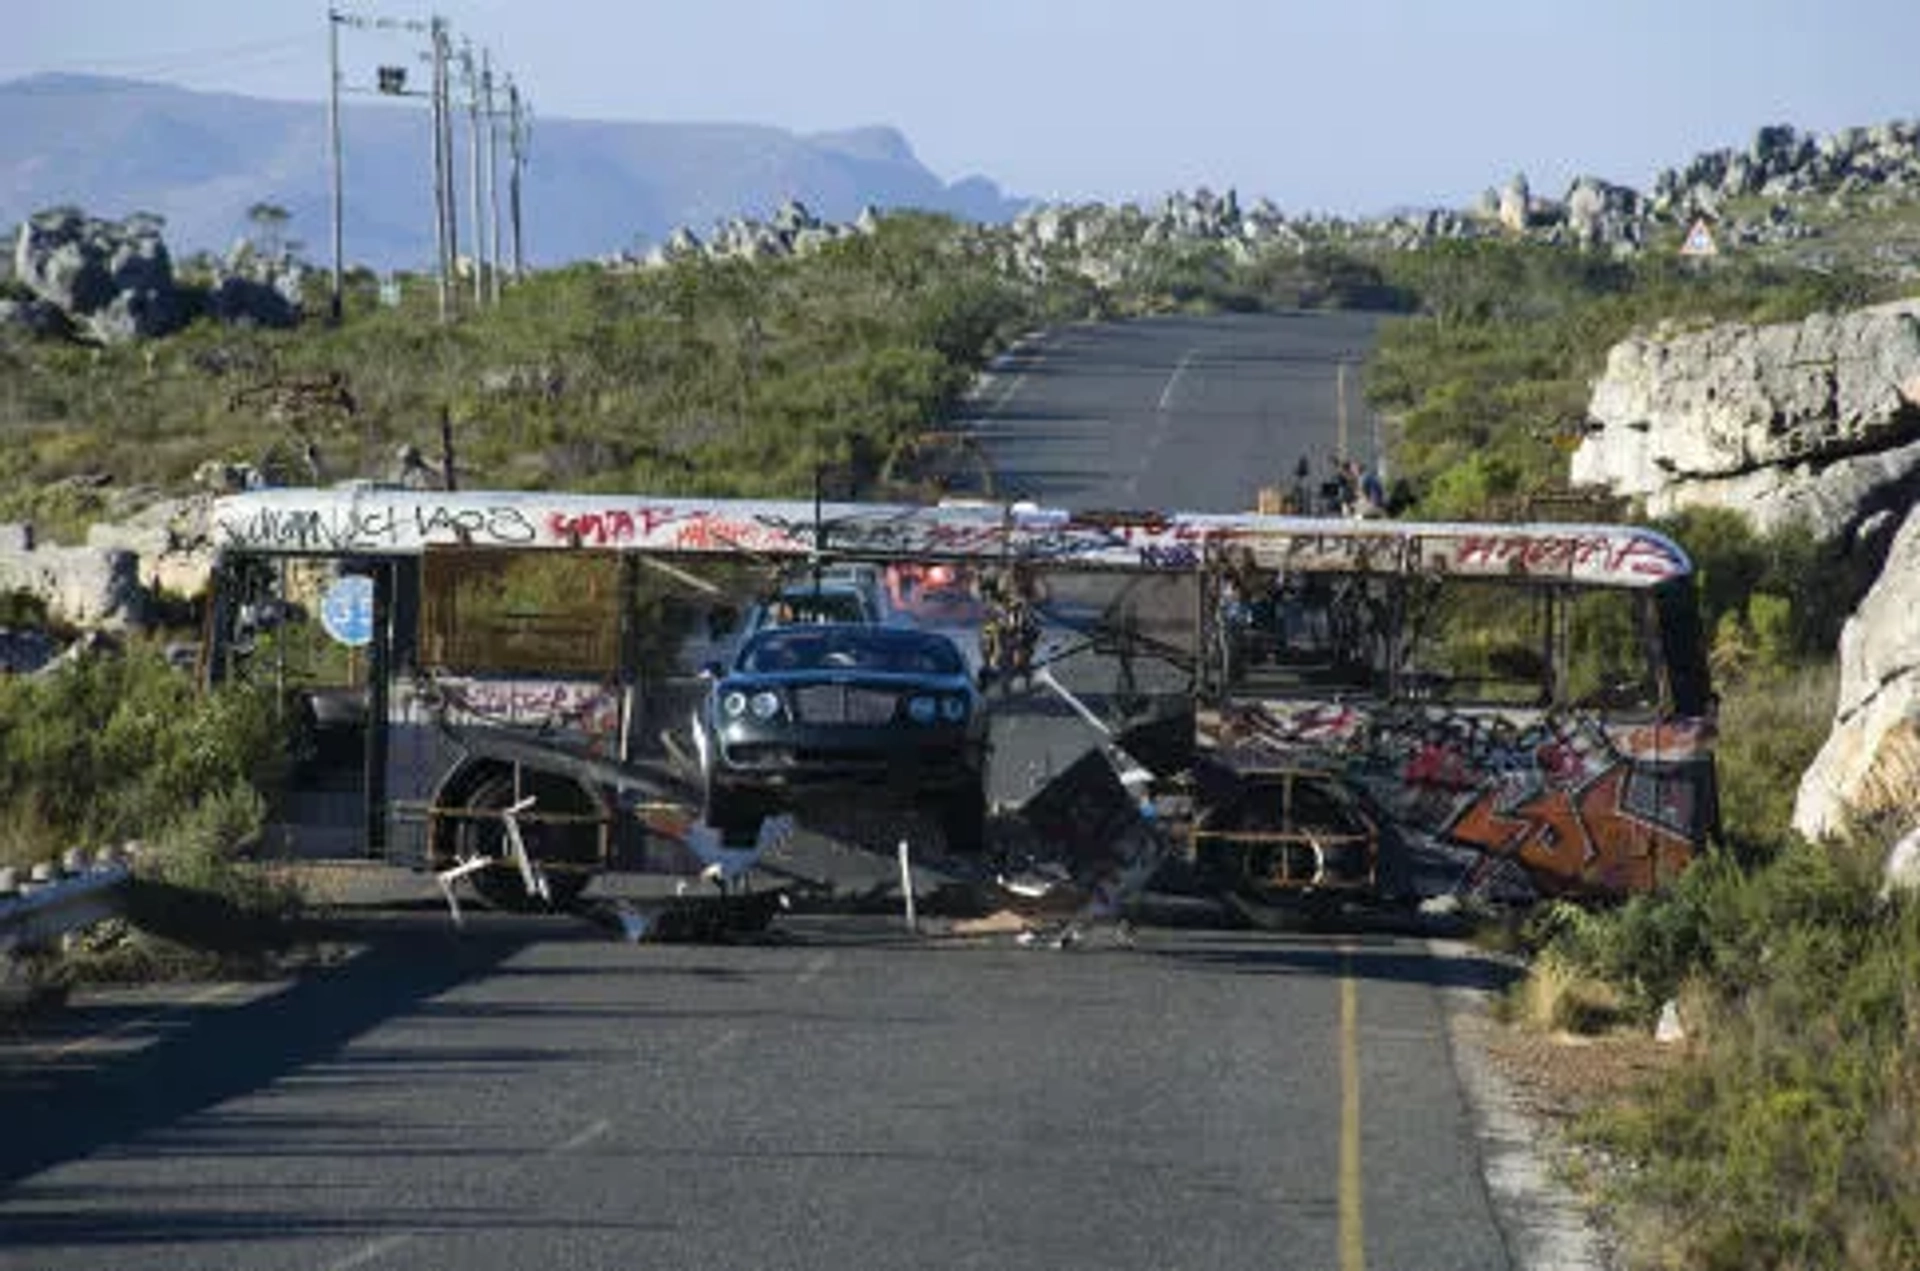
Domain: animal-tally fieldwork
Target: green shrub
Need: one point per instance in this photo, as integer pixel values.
(1790, 1141)
(114, 748)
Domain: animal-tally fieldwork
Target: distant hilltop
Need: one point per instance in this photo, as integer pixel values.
(201, 160)
(639, 192)
(1816, 200)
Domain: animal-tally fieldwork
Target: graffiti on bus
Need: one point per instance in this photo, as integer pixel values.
(544, 705)
(1574, 804)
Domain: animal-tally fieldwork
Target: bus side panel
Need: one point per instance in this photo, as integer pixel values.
(1515, 804)
(424, 751)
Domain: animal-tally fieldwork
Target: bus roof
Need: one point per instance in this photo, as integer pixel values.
(369, 520)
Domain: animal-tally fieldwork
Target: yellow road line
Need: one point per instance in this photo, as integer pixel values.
(1353, 1245)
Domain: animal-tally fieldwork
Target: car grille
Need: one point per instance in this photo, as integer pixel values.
(844, 704)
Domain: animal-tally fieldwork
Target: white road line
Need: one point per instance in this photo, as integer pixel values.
(373, 1252)
(1173, 380)
(580, 1140)
(719, 1044)
(818, 963)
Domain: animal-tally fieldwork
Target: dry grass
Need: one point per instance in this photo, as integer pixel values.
(1888, 803)
(1560, 997)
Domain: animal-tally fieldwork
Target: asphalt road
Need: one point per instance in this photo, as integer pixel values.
(1181, 413)
(536, 1092)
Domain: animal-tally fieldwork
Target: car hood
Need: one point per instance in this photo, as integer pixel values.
(901, 681)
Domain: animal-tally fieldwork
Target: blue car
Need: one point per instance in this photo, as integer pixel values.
(855, 709)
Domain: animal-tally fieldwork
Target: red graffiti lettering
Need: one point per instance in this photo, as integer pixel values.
(598, 528)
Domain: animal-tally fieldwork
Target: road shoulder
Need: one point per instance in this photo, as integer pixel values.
(1541, 1220)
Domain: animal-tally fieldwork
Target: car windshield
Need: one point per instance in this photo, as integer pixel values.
(818, 606)
(841, 648)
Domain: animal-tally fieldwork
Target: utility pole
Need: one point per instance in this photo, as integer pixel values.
(451, 265)
(442, 169)
(516, 143)
(493, 180)
(472, 79)
(333, 145)
(390, 81)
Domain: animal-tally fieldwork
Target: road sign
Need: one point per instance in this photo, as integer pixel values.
(1699, 241)
(346, 611)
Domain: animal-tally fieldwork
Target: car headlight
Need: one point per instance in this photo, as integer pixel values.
(765, 704)
(953, 709)
(922, 710)
(734, 704)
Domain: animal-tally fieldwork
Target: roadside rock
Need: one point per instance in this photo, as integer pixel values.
(1870, 763)
(252, 289)
(1815, 423)
(1818, 420)
(169, 541)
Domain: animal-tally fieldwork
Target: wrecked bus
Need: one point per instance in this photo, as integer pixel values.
(1373, 709)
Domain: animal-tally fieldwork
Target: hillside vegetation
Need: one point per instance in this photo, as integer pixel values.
(710, 376)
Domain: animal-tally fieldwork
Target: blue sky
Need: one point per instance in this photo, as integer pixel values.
(1346, 106)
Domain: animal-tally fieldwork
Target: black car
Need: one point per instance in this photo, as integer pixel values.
(862, 710)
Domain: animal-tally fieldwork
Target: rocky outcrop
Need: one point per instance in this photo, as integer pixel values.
(170, 544)
(793, 231)
(1600, 214)
(1817, 421)
(112, 279)
(1105, 244)
(81, 586)
(257, 289)
(1870, 764)
(1782, 163)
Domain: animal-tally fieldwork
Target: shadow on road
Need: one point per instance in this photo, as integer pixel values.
(1331, 954)
(71, 1102)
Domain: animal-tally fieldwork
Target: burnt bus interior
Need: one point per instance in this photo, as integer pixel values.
(1539, 643)
(1141, 649)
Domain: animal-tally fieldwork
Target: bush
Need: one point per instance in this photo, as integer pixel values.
(111, 748)
(1791, 1141)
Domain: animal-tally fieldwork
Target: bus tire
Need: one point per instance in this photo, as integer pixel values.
(567, 854)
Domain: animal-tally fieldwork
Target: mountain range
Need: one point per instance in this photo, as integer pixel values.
(112, 147)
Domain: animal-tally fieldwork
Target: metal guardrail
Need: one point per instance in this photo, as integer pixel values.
(49, 901)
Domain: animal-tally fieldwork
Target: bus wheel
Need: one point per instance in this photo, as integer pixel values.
(567, 851)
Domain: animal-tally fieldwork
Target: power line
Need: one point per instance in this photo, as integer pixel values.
(390, 81)
(185, 62)
(484, 183)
